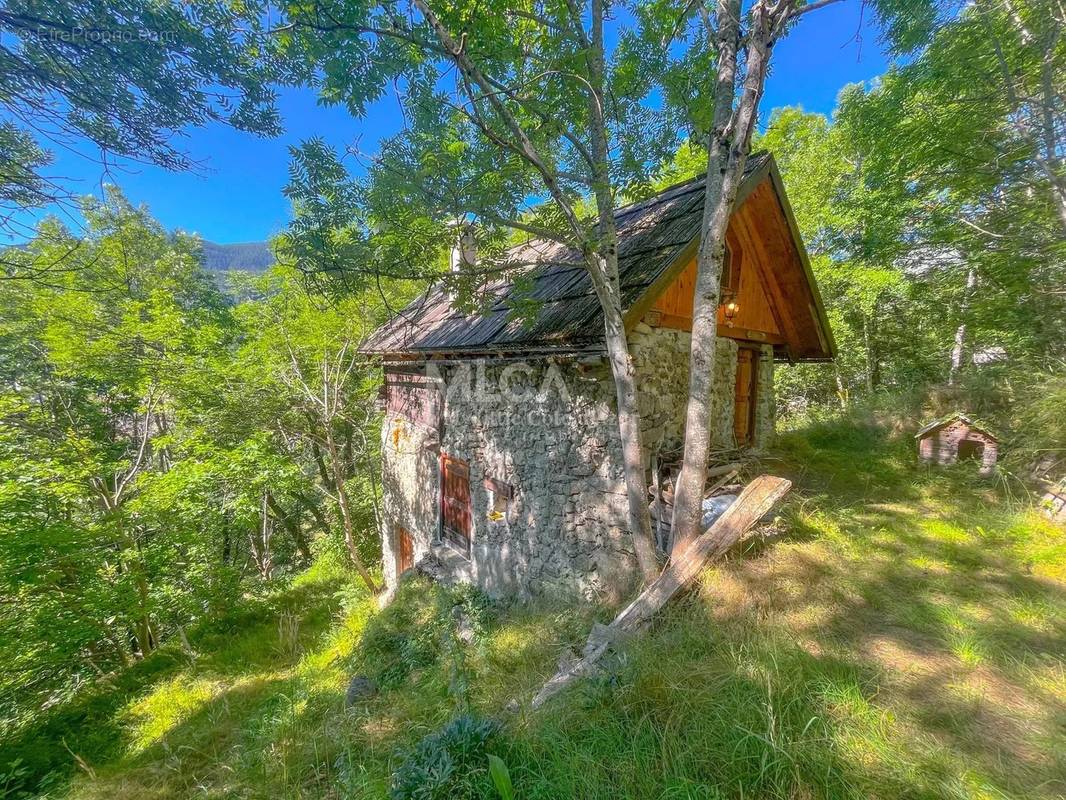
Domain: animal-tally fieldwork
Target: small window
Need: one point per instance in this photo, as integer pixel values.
(500, 495)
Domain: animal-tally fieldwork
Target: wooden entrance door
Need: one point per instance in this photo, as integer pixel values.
(455, 509)
(405, 551)
(744, 397)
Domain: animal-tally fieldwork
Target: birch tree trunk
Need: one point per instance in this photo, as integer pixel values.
(610, 297)
(959, 347)
(727, 153)
(601, 256)
(625, 385)
(842, 390)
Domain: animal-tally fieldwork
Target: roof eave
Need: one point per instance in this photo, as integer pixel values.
(825, 332)
(768, 169)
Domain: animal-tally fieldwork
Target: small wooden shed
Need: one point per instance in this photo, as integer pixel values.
(955, 437)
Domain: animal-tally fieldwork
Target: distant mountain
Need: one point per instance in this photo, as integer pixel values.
(245, 256)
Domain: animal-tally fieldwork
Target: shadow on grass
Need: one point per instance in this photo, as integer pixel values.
(894, 644)
(911, 578)
(91, 726)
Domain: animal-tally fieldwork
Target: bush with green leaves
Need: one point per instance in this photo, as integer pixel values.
(450, 764)
(417, 630)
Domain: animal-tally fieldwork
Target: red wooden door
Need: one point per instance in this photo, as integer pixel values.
(744, 398)
(405, 551)
(456, 511)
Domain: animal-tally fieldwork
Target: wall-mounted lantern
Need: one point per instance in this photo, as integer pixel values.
(730, 310)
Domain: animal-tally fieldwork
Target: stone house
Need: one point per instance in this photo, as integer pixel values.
(501, 456)
(955, 437)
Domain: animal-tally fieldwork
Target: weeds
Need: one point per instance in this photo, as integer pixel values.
(904, 638)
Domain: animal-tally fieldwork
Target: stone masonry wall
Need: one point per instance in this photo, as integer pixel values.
(549, 431)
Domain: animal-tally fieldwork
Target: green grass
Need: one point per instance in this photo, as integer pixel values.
(903, 637)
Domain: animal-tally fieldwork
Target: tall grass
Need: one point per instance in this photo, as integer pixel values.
(903, 639)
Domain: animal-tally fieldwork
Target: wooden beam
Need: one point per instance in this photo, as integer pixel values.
(754, 502)
(825, 332)
(748, 335)
(764, 262)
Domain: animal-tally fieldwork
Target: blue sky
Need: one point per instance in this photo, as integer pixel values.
(236, 195)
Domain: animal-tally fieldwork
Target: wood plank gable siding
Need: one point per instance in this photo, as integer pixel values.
(775, 303)
(756, 314)
(658, 238)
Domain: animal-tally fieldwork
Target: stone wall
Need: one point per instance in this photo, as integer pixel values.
(765, 401)
(549, 431)
(661, 358)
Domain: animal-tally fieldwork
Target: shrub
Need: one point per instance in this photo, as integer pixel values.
(1038, 417)
(416, 630)
(451, 764)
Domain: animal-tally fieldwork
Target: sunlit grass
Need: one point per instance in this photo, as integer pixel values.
(171, 702)
(905, 638)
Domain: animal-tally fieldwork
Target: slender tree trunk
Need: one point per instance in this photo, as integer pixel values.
(227, 542)
(727, 152)
(625, 385)
(599, 270)
(871, 357)
(320, 463)
(260, 541)
(143, 624)
(609, 293)
(316, 513)
(346, 513)
(292, 526)
(956, 354)
(959, 347)
(842, 390)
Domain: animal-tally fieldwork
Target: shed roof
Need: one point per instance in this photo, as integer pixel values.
(655, 237)
(936, 424)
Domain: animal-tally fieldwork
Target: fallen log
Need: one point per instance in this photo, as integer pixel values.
(754, 502)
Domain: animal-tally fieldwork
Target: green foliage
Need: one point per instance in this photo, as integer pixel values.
(159, 451)
(1038, 420)
(501, 778)
(448, 764)
(417, 631)
(124, 77)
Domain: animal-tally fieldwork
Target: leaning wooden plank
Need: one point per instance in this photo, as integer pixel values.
(718, 484)
(754, 502)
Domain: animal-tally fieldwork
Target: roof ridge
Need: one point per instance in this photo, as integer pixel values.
(669, 193)
(661, 195)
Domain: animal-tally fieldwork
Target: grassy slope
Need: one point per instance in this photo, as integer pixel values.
(904, 637)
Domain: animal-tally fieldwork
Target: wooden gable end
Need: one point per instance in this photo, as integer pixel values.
(756, 316)
(776, 300)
